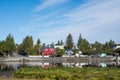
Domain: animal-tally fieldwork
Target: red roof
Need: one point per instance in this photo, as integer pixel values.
(48, 51)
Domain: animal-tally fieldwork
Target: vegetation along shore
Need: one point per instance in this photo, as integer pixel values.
(90, 73)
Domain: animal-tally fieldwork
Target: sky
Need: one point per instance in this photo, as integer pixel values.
(53, 20)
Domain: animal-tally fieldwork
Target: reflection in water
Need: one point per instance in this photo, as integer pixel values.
(14, 66)
(80, 65)
(7, 68)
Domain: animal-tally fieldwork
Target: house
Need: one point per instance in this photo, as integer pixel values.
(69, 53)
(48, 51)
(116, 46)
(59, 46)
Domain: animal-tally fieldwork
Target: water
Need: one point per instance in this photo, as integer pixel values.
(14, 66)
(7, 68)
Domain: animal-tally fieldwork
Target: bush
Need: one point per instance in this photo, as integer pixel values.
(69, 73)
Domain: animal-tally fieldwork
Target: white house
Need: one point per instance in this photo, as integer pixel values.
(59, 46)
(118, 46)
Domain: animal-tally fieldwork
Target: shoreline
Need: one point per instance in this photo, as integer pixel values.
(58, 59)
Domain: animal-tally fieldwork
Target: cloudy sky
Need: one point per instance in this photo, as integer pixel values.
(53, 20)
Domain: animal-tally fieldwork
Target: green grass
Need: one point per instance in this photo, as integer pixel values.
(68, 73)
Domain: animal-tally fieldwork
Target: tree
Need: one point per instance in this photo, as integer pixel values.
(58, 43)
(52, 45)
(27, 45)
(111, 43)
(10, 44)
(20, 48)
(83, 45)
(3, 48)
(61, 42)
(36, 49)
(69, 42)
(97, 48)
(107, 47)
(79, 40)
(38, 41)
(43, 46)
(59, 52)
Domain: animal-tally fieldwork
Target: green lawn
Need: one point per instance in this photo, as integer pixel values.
(68, 73)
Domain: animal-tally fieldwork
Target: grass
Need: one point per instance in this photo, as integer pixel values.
(68, 74)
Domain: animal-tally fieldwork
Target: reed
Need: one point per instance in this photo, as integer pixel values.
(68, 73)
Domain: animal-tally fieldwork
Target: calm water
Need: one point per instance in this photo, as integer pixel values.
(14, 66)
(7, 68)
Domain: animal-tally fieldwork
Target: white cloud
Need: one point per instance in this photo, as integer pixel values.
(95, 19)
(40, 21)
(47, 3)
(103, 12)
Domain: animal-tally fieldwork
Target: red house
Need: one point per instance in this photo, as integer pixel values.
(48, 51)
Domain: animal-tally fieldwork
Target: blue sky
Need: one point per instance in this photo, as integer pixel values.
(53, 20)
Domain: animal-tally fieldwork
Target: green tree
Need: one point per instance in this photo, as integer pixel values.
(3, 48)
(79, 40)
(69, 42)
(61, 42)
(20, 48)
(59, 52)
(43, 46)
(58, 43)
(27, 45)
(38, 41)
(10, 44)
(83, 45)
(97, 47)
(52, 45)
(107, 47)
(36, 50)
